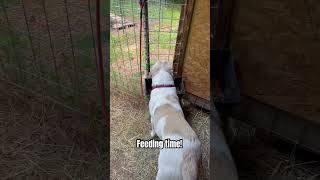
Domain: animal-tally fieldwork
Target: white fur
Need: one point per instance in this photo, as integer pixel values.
(170, 162)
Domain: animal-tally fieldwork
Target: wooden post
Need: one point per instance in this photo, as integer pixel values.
(222, 165)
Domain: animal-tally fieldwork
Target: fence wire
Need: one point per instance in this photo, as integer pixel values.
(164, 19)
(48, 47)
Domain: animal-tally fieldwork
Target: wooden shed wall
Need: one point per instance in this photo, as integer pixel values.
(277, 45)
(196, 63)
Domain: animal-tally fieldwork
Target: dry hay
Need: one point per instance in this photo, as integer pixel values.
(40, 141)
(129, 121)
(259, 155)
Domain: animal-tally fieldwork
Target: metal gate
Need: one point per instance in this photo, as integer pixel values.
(165, 18)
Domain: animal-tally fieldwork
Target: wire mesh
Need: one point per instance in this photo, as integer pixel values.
(48, 47)
(164, 20)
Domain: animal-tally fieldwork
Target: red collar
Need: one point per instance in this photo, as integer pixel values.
(163, 86)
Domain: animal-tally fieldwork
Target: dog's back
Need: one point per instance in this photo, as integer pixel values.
(190, 163)
(168, 122)
(180, 163)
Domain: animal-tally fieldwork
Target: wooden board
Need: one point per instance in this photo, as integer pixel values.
(196, 61)
(277, 45)
(119, 22)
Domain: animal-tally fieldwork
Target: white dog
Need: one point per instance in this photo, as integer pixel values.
(168, 122)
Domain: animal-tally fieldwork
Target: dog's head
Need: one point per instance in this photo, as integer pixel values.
(161, 65)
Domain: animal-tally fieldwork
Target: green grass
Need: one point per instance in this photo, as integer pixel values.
(130, 9)
(7, 2)
(86, 46)
(115, 51)
(14, 46)
(164, 41)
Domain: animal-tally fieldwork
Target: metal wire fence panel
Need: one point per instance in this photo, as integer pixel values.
(163, 18)
(48, 47)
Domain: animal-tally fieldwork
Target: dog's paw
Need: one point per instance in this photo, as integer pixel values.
(152, 133)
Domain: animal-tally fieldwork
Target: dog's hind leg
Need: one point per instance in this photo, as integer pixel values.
(153, 133)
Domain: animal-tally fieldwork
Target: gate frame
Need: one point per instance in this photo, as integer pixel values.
(180, 51)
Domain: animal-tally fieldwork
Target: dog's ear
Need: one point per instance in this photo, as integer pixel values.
(168, 67)
(155, 68)
(161, 64)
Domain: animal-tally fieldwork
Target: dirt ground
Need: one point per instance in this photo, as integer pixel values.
(129, 121)
(40, 141)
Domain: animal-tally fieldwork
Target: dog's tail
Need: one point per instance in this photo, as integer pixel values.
(190, 163)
